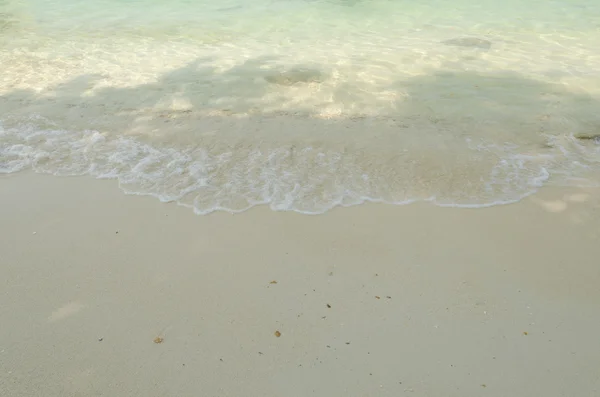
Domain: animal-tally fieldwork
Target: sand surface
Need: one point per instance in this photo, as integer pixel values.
(374, 300)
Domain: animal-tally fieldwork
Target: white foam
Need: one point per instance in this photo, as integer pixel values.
(313, 182)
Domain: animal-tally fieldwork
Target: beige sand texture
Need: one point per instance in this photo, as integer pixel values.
(375, 300)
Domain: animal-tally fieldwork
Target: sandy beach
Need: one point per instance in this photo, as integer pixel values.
(374, 300)
(291, 198)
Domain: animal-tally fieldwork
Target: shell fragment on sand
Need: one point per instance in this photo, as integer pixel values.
(588, 136)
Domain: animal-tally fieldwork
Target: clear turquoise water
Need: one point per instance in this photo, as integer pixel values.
(304, 105)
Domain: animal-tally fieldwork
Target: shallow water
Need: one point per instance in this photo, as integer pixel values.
(304, 105)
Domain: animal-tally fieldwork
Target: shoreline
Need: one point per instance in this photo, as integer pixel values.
(369, 300)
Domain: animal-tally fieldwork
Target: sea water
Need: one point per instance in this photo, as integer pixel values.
(304, 105)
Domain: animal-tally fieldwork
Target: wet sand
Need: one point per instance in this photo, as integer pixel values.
(374, 300)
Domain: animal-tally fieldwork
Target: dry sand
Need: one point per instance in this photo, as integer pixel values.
(373, 300)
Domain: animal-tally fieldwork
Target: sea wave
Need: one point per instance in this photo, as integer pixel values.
(306, 179)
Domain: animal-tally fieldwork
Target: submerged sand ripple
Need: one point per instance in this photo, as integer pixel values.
(473, 42)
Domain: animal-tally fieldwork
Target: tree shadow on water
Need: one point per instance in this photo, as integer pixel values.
(198, 89)
(501, 105)
(504, 105)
